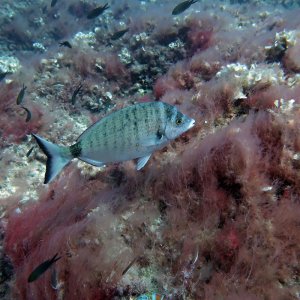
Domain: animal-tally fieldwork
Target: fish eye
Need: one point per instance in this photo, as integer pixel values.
(178, 121)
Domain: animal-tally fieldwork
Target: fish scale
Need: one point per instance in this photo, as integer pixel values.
(132, 132)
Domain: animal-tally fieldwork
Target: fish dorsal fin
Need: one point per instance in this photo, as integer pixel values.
(142, 161)
(92, 162)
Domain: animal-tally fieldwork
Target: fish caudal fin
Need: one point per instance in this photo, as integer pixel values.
(57, 157)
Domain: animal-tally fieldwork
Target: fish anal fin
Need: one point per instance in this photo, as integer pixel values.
(92, 162)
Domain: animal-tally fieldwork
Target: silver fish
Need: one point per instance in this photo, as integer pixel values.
(132, 132)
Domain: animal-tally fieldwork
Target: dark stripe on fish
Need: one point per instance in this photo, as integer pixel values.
(105, 135)
(135, 125)
(127, 129)
(114, 126)
(157, 114)
(143, 115)
(147, 120)
(123, 128)
(98, 139)
(92, 140)
(151, 112)
(163, 118)
(168, 110)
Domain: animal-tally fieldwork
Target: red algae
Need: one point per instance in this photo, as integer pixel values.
(200, 39)
(114, 69)
(220, 187)
(64, 224)
(14, 126)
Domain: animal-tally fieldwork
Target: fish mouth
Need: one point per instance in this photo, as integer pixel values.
(192, 123)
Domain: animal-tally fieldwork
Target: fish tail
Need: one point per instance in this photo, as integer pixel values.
(57, 157)
(55, 258)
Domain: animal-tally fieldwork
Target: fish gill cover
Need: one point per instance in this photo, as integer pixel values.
(215, 213)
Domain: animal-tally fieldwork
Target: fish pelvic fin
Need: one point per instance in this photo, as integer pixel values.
(57, 157)
(142, 161)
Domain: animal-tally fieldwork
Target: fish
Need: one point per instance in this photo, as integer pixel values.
(28, 117)
(97, 11)
(42, 268)
(65, 44)
(151, 296)
(21, 95)
(29, 151)
(3, 75)
(133, 132)
(118, 34)
(53, 2)
(181, 7)
(75, 93)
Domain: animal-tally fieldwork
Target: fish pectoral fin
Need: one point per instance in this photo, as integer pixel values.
(153, 140)
(142, 161)
(148, 142)
(92, 162)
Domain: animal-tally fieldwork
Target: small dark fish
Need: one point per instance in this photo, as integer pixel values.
(75, 93)
(3, 75)
(28, 118)
(53, 2)
(118, 34)
(65, 44)
(181, 7)
(29, 151)
(21, 95)
(42, 268)
(97, 11)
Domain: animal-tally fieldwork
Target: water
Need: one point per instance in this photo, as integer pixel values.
(214, 215)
